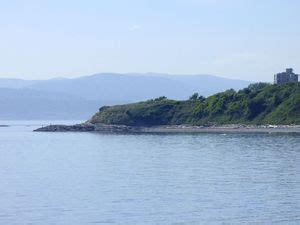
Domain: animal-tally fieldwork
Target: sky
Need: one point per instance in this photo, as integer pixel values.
(240, 39)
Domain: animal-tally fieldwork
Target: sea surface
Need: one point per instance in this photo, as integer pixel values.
(92, 178)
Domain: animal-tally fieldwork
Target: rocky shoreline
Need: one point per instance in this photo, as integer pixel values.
(232, 128)
(67, 128)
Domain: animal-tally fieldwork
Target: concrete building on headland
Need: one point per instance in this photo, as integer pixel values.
(285, 77)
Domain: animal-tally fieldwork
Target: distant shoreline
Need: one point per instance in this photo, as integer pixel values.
(231, 128)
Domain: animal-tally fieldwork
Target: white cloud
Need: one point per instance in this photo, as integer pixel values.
(135, 27)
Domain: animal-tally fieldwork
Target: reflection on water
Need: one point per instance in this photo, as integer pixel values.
(85, 178)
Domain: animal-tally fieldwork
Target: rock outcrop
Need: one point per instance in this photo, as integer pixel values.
(64, 128)
(88, 127)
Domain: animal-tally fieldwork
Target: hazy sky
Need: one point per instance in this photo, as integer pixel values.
(245, 39)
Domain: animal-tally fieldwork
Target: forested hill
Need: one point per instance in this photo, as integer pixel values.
(257, 104)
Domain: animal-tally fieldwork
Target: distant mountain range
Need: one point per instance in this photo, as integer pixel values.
(78, 98)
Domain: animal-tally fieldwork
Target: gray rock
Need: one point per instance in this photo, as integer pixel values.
(65, 128)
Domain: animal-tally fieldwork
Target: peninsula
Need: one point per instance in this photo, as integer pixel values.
(260, 107)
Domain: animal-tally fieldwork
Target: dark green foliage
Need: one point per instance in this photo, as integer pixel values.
(194, 97)
(103, 108)
(259, 103)
(161, 98)
(256, 106)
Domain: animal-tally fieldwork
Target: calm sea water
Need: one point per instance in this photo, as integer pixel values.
(87, 178)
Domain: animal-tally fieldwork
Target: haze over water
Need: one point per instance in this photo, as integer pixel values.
(90, 178)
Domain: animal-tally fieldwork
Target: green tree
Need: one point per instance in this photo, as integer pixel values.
(194, 97)
(161, 98)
